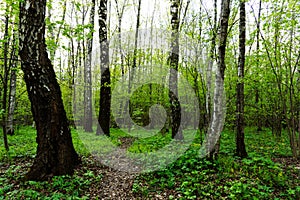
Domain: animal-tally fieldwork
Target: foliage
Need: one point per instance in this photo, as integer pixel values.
(255, 177)
(190, 177)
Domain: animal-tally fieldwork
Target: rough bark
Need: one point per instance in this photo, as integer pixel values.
(173, 80)
(88, 117)
(105, 88)
(55, 152)
(240, 124)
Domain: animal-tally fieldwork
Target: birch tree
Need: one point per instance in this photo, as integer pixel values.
(105, 88)
(173, 79)
(55, 152)
(216, 123)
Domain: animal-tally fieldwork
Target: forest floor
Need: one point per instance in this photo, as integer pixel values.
(269, 172)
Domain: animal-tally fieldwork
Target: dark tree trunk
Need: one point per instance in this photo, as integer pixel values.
(88, 119)
(136, 35)
(173, 62)
(55, 152)
(225, 12)
(105, 89)
(240, 124)
(5, 82)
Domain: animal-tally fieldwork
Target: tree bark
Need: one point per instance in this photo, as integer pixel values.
(210, 64)
(215, 123)
(55, 152)
(105, 88)
(12, 91)
(5, 82)
(88, 117)
(240, 124)
(173, 62)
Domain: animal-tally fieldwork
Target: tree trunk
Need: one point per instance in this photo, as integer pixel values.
(120, 16)
(105, 88)
(218, 113)
(257, 94)
(88, 117)
(210, 65)
(240, 142)
(12, 102)
(55, 152)
(5, 82)
(132, 73)
(12, 91)
(173, 62)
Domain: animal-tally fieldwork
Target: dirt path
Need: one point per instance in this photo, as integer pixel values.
(113, 185)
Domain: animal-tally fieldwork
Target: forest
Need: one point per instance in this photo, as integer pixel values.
(149, 99)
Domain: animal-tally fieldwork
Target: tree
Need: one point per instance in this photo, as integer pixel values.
(212, 52)
(55, 152)
(13, 88)
(120, 13)
(173, 62)
(5, 81)
(88, 120)
(240, 142)
(215, 122)
(257, 95)
(105, 88)
(132, 73)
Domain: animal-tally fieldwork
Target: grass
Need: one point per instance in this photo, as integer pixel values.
(189, 177)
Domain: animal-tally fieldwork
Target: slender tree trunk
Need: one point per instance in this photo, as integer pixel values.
(88, 117)
(12, 103)
(216, 123)
(151, 60)
(132, 73)
(5, 82)
(173, 81)
(50, 30)
(55, 152)
(72, 87)
(240, 124)
(136, 35)
(105, 88)
(12, 91)
(257, 95)
(210, 64)
(291, 115)
(120, 16)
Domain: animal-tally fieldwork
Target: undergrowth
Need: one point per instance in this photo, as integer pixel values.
(190, 177)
